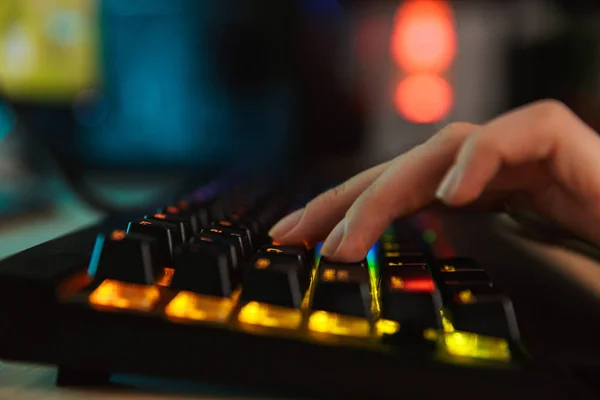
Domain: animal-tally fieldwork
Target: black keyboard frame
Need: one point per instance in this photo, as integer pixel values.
(36, 327)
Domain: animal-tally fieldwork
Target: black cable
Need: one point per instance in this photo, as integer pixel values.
(75, 176)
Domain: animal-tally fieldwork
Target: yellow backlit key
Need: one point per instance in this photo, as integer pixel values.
(255, 313)
(466, 344)
(336, 324)
(117, 294)
(189, 305)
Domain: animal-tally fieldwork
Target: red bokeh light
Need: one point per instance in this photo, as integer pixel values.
(424, 37)
(423, 98)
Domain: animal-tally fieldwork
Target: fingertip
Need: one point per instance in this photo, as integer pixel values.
(350, 249)
(447, 189)
(286, 225)
(334, 239)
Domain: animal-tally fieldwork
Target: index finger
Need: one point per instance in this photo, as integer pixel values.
(407, 185)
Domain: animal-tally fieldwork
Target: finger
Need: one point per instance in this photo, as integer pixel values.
(545, 132)
(404, 187)
(313, 222)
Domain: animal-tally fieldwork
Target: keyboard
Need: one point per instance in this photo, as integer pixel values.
(197, 290)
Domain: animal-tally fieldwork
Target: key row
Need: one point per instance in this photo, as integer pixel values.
(407, 289)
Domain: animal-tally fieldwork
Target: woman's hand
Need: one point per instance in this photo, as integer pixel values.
(540, 157)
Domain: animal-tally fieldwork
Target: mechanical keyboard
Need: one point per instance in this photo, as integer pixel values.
(197, 290)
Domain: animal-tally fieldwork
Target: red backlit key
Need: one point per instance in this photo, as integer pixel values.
(409, 296)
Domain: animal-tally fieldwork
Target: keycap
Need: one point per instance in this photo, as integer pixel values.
(483, 310)
(232, 245)
(181, 224)
(167, 235)
(294, 252)
(204, 268)
(239, 227)
(460, 271)
(402, 262)
(453, 276)
(126, 257)
(342, 289)
(270, 278)
(409, 296)
(186, 216)
(230, 235)
(410, 247)
(200, 210)
(405, 258)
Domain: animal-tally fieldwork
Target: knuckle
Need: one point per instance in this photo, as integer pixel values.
(336, 192)
(455, 132)
(328, 196)
(546, 112)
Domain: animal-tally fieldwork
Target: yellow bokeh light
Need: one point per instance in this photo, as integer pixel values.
(397, 282)
(262, 263)
(466, 297)
(328, 274)
(117, 294)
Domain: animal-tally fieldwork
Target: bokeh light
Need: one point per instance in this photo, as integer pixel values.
(424, 37)
(423, 98)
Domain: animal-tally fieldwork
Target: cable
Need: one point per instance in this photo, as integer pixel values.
(75, 176)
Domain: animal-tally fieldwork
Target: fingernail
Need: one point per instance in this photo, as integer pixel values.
(334, 239)
(286, 224)
(450, 184)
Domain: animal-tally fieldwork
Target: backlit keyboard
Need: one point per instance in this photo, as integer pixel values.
(197, 290)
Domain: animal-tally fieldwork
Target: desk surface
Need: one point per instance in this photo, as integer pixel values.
(26, 382)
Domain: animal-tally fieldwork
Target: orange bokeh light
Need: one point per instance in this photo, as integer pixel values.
(424, 38)
(423, 98)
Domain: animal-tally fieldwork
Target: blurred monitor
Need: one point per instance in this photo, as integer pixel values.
(157, 84)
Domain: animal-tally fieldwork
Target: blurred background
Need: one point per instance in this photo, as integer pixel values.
(111, 103)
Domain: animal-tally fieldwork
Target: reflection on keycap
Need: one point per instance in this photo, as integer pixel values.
(256, 313)
(466, 344)
(386, 327)
(335, 324)
(188, 305)
(167, 277)
(125, 295)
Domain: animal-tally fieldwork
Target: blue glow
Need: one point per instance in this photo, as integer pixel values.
(372, 256)
(165, 99)
(318, 253)
(93, 267)
(7, 121)
(128, 226)
(372, 260)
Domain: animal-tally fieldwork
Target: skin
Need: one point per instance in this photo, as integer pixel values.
(540, 157)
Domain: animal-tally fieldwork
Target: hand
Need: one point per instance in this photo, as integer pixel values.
(540, 157)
